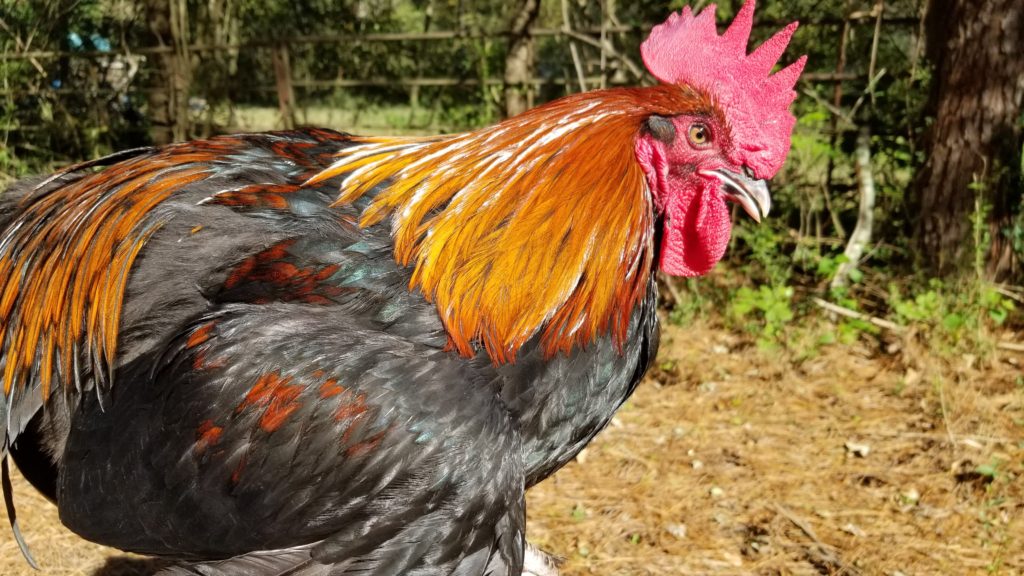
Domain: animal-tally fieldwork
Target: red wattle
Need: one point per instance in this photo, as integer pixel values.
(697, 230)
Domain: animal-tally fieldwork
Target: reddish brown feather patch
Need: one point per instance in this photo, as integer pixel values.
(351, 409)
(240, 272)
(200, 335)
(366, 446)
(207, 435)
(281, 407)
(331, 388)
(276, 395)
(326, 272)
(245, 269)
(236, 474)
(257, 196)
(273, 275)
(199, 360)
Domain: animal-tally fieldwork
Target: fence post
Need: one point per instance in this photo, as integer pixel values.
(285, 90)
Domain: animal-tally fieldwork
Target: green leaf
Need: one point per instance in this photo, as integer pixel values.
(990, 470)
(578, 513)
(953, 321)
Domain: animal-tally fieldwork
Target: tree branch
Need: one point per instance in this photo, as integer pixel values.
(861, 235)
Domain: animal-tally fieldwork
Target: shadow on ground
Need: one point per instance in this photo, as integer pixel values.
(125, 566)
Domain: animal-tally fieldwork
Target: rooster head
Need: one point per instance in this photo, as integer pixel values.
(547, 222)
(696, 163)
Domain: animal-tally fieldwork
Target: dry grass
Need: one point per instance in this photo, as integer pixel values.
(730, 461)
(752, 462)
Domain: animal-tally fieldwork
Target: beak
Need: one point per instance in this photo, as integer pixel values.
(749, 193)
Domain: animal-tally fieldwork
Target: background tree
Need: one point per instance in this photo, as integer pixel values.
(168, 108)
(519, 61)
(973, 148)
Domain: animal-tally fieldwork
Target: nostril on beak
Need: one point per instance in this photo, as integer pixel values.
(749, 173)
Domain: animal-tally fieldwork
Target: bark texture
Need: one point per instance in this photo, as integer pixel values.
(168, 100)
(519, 61)
(975, 46)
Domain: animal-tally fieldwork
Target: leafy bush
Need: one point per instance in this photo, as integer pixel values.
(764, 312)
(953, 318)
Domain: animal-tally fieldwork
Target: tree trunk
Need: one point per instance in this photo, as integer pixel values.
(519, 61)
(973, 147)
(168, 99)
(216, 73)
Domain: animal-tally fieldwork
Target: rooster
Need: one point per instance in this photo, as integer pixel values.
(311, 353)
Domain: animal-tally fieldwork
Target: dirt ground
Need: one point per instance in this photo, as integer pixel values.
(729, 460)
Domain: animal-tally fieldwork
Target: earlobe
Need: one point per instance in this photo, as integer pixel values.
(662, 129)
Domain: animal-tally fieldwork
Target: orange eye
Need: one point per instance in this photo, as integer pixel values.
(699, 135)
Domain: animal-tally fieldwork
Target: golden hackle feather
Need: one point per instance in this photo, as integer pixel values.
(542, 223)
(65, 261)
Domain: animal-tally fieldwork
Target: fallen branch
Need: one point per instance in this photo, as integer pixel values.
(802, 525)
(1011, 346)
(821, 552)
(961, 438)
(1009, 292)
(882, 323)
(837, 309)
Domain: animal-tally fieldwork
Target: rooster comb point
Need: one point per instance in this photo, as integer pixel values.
(687, 49)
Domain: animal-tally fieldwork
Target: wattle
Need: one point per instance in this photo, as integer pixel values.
(696, 234)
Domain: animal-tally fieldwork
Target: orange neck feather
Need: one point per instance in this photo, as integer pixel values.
(543, 222)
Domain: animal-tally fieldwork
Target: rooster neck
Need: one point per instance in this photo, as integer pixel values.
(540, 224)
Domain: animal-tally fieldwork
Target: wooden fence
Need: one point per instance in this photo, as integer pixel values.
(286, 83)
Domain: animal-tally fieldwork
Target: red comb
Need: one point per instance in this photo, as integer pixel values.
(687, 49)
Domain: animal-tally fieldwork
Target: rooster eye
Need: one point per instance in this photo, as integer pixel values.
(699, 135)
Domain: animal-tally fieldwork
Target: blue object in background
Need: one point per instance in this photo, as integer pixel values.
(100, 43)
(96, 42)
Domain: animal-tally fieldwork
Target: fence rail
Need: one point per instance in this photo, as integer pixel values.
(809, 77)
(285, 83)
(373, 37)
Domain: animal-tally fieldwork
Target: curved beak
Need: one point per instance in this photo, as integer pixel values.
(751, 194)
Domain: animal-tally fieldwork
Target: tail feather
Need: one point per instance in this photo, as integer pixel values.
(22, 403)
(5, 479)
(289, 562)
